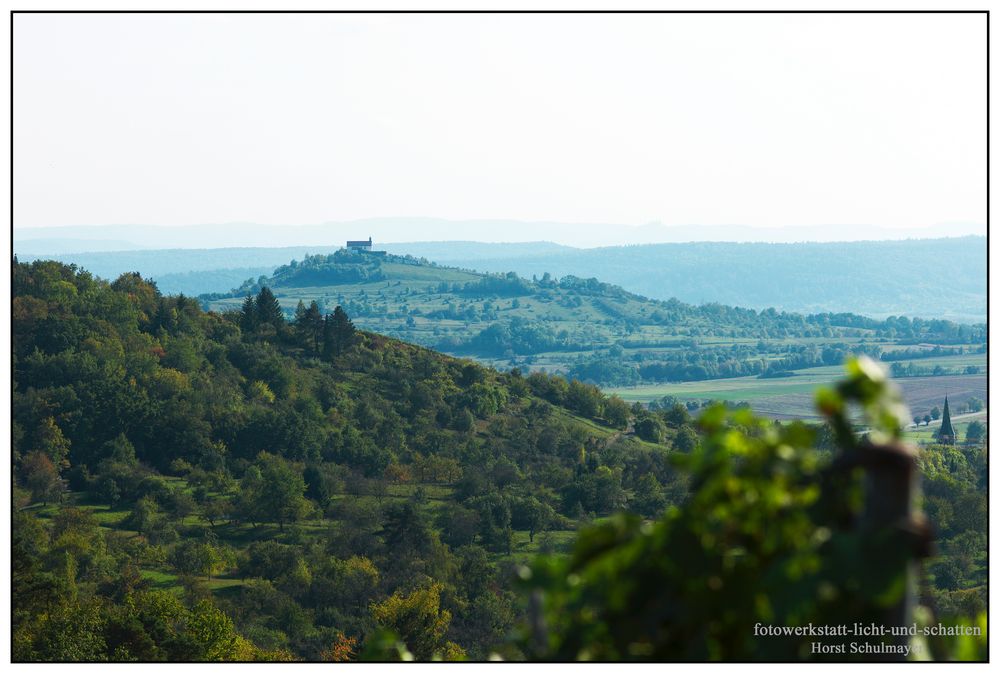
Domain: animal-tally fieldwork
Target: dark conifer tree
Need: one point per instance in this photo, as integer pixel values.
(343, 330)
(268, 309)
(338, 333)
(302, 333)
(300, 313)
(313, 322)
(329, 348)
(248, 315)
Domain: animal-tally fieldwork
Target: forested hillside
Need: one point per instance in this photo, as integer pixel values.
(194, 485)
(588, 329)
(237, 486)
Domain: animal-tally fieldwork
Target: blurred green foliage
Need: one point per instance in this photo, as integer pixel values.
(772, 534)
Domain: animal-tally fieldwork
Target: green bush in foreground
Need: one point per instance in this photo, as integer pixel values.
(773, 534)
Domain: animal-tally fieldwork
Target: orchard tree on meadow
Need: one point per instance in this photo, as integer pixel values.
(975, 432)
(273, 490)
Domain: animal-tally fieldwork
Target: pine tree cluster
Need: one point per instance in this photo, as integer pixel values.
(328, 335)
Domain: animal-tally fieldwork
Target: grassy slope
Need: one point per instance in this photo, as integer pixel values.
(595, 325)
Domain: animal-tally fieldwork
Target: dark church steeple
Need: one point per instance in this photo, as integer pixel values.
(947, 433)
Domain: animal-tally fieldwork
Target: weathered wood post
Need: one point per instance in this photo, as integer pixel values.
(892, 517)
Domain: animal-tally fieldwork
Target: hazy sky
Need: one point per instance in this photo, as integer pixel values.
(685, 119)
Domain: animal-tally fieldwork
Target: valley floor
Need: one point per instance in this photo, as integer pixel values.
(792, 397)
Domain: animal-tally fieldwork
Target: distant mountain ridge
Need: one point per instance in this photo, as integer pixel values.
(930, 278)
(927, 278)
(409, 229)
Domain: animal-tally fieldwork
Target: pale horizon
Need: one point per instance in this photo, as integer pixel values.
(430, 230)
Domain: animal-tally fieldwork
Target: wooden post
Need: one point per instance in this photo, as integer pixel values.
(892, 490)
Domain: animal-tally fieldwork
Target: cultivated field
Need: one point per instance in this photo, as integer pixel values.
(792, 397)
